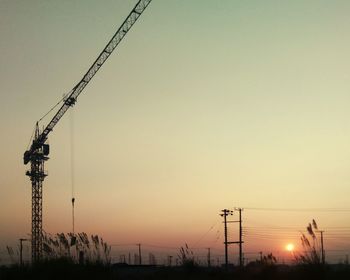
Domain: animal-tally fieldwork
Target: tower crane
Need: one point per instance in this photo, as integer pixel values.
(39, 150)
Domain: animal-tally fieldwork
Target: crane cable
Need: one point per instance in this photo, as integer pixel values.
(47, 113)
(58, 103)
(72, 165)
(31, 137)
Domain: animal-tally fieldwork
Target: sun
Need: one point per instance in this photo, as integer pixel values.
(290, 247)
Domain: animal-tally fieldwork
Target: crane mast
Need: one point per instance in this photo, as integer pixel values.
(38, 152)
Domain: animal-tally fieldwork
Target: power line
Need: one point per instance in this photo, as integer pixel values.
(161, 247)
(299, 209)
(205, 234)
(121, 245)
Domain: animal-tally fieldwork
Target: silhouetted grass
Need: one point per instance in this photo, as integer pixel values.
(65, 269)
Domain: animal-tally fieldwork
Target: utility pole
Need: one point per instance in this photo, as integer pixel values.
(21, 250)
(209, 263)
(224, 214)
(140, 259)
(170, 260)
(240, 242)
(323, 257)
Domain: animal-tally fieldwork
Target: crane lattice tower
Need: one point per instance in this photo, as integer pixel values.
(38, 152)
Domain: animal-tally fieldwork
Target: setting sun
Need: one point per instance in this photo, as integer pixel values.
(290, 247)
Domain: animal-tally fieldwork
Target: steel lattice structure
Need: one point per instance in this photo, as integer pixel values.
(38, 151)
(37, 175)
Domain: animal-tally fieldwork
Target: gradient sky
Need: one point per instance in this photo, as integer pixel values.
(205, 105)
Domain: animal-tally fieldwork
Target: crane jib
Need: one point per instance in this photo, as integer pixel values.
(40, 140)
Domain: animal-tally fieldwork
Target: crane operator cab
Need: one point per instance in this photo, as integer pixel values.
(37, 153)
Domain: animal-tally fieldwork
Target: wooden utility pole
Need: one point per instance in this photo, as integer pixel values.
(209, 263)
(323, 257)
(224, 214)
(140, 259)
(21, 250)
(240, 242)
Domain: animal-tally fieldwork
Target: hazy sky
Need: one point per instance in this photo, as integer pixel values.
(204, 105)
